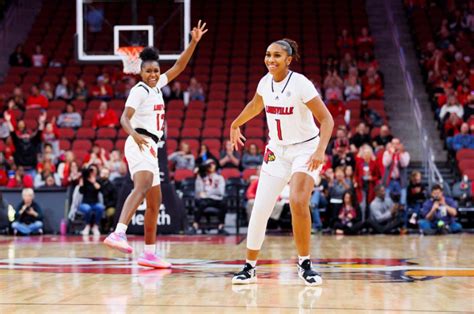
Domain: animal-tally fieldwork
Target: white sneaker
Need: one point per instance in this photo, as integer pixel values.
(86, 230)
(95, 230)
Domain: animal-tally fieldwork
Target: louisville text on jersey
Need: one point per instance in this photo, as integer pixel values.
(158, 107)
(279, 110)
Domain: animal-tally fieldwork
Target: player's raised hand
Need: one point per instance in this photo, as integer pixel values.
(316, 160)
(236, 138)
(140, 140)
(198, 31)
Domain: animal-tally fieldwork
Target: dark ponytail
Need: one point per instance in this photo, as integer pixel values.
(294, 46)
(149, 54)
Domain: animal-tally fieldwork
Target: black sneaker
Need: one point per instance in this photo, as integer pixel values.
(309, 276)
(222, 232)
(246, 276)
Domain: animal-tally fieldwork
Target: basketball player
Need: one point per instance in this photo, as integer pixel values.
(143, 119)
(294, 154)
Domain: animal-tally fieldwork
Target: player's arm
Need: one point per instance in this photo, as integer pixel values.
(253, 108)
(127, 126)
(183, 59)
(322, 114)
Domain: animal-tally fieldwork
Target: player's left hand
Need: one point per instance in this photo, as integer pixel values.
(316, 160)
(198, 31)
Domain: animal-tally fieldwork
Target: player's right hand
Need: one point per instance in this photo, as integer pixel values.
(140, 140)
(236, 138)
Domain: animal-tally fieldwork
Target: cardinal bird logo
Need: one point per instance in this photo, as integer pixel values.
(269, 156)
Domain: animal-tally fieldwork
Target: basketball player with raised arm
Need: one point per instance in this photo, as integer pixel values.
(294, 154)
(143, 119)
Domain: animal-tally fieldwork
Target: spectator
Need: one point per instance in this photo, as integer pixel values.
(451, 107)
(4, 169)
(383, 138)
(385, 215)
(81, 92)
(19, 179)
(252, 158)
(335, 105)
(347, 214)
(64, 168)
(195, 90)
(372, 89)
(26, 146)
(95, 18)
(18, 58)
(5, 214)
(462, 192)
(91, 204)
(97, 157)
(337, 188)
(395, 161)
(74, 175)
(416, 196)
(176, 91)
(346, 63)
(69, 118)
(439, 213)
(182, 158)
(342, 156)
(367, 62)
(319, 200)
(29, 215)
(36, 100)
(103, 90)
(42, 177)
(64, 90)
(229, 157)
(352, 89)
(50, 136)
(105, 117)
(203, 155)
(365, 42)
(341, 137)
(38, 59)
(461, 140)
(115, 165)
(345, 43)
(361, 136)
(47, 91)
(366, 175)
(109, 193)
(210, 189)
(19, 98)
(333, 85)
(369, 116)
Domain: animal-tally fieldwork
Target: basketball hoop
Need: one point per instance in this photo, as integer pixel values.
(130, 58)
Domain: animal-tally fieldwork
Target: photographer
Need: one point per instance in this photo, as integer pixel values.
(210, 189)
(386, 215)
(29, 216)
(439, 214)
(90, 189)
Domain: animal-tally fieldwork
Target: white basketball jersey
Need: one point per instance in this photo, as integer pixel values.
(149, 106)
(289, 119)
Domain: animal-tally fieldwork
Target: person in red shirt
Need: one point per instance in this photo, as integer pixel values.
(365, 42)
(102, 90)
(105, 117)
(36, 100)
(372, 85)
(335, 105)
(19, 179)
(345, 42)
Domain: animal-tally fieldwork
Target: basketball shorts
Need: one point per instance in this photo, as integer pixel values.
(283, 161)
(146, 160)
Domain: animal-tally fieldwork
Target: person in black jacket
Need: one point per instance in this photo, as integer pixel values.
(90, 189)
(109, 192)
(4, 219)
(18, 58)
(26, 146)
(29, 215)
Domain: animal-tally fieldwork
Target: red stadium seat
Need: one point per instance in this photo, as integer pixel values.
(108, 145)
(247, 173)
(64, 145)
(213, 123)
(82, 145)
(57, 104)
(230, 173)
(120, 144)
(464, 153)
(211, 133)
(181, 174)
(190, 132)
(85, 133)
(67, 133)
(106, 133)
(192, 123)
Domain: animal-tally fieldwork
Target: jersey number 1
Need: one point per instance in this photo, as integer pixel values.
(279, 129)
(159, 121)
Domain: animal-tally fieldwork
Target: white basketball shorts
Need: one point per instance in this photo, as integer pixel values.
(283, 161)
(146, 160)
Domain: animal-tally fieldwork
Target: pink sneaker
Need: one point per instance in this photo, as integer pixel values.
(118, 241)
(151, 260)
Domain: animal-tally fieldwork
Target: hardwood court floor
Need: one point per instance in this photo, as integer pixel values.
(366, 274)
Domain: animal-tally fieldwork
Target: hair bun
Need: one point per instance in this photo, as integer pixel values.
(149, 54)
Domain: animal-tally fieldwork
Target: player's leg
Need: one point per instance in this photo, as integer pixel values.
(269, 188)
(153, 203)
(301, 187)
(142, 183)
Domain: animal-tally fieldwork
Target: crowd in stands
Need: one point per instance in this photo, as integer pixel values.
(364, 184)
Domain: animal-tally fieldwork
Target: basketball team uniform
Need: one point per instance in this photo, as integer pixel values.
(147, 120)
(293, 133)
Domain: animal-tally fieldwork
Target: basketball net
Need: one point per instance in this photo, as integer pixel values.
(130, 58)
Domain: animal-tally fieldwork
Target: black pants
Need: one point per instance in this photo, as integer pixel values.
(387, 226)
(355, 227)
(204, 203)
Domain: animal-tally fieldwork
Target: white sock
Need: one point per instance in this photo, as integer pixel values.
(121, 228)
(150, 248)
(252, 263)
(301, 259)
